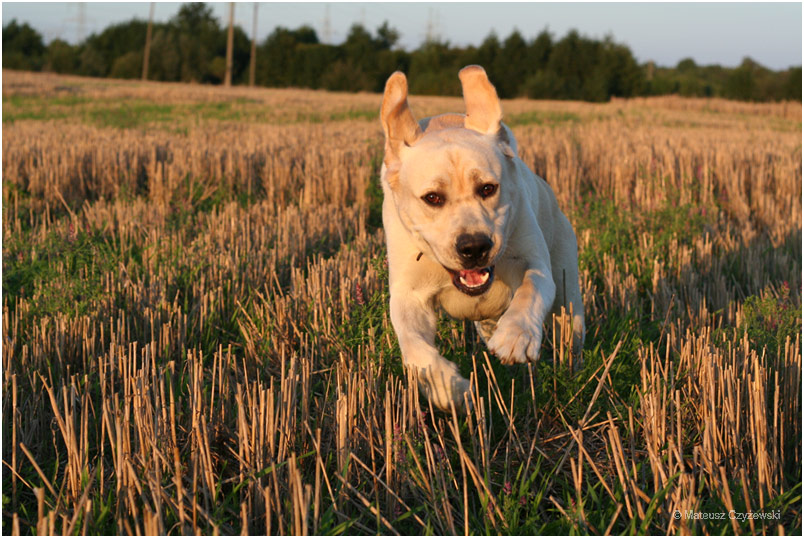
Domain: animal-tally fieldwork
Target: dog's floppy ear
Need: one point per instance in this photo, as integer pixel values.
(398, 122)
(483, 111)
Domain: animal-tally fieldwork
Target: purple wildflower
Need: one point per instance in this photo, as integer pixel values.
(361, 300)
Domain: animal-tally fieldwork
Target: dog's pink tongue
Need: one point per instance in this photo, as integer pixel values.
(474, 277)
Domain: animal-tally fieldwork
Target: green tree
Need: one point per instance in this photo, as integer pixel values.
(360, 57)
(115, 41)
(279, 58)
(488, 52)
(512, 72)
(200, 39)
(23, 47)
(368, 57)
(315, 61)
(387, 37)
(539, 83)
(687, 79)
(91, 62)
(539, 50)
(434, 69)
(192, 47)
(741, 83)
(544, 84)
(164, 62)
(129, 65)
(344, 76)
(618, 67)
(572, 60)
(687, 65)
(792, 86)
(60, 57)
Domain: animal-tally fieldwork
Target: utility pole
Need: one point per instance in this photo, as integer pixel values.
(82, 19)
(227, 81)
(327, 28)
(147, 52)
(430, 35)
(252, 68)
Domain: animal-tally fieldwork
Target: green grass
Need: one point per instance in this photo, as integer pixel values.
(61, 273)
(770, 319)
(58, 276)
(540, 117)
(122, 114)
(173, 117)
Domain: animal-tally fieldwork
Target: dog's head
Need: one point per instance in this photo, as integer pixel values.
(452, 183)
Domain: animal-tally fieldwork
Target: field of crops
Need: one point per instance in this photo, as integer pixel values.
(196, 335)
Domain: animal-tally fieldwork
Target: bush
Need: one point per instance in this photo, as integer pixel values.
(60, 57)
(542, 85)
(345, 76)
(128, 65)
(770, 318)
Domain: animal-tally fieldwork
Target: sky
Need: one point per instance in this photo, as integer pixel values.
(712, 32)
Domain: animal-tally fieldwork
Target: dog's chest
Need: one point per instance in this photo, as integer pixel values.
(490, 305)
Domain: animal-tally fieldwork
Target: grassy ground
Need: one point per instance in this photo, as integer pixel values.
(196, 334)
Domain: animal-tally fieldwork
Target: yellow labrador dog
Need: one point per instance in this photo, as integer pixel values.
(472, 230)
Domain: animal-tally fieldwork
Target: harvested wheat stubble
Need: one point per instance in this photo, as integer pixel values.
(196, 336)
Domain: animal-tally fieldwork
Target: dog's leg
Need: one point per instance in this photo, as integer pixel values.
(415, 325)
(485, 329)
(518, 337)
(564, 260)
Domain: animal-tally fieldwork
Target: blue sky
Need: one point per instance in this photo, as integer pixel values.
(714, 32)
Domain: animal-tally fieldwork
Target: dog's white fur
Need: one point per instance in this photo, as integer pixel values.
(533, 246)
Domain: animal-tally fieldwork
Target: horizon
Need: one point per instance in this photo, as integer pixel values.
(709, 33)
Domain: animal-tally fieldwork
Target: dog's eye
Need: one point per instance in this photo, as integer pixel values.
(487, 190)
(434, 199)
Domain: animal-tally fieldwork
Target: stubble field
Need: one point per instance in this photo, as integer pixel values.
(196, 335)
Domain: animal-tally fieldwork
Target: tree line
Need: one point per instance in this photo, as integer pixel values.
(191, 47)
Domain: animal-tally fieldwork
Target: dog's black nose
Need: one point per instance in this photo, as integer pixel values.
(472, 248)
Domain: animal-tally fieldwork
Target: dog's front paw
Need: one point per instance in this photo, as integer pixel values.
(444, 385)
(516, 340)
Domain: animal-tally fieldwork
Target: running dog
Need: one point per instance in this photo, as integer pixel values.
(472, 230)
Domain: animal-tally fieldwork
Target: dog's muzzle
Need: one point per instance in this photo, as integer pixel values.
(473, 281)
(473, 251)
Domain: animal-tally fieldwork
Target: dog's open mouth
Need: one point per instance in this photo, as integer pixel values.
(473, 281)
